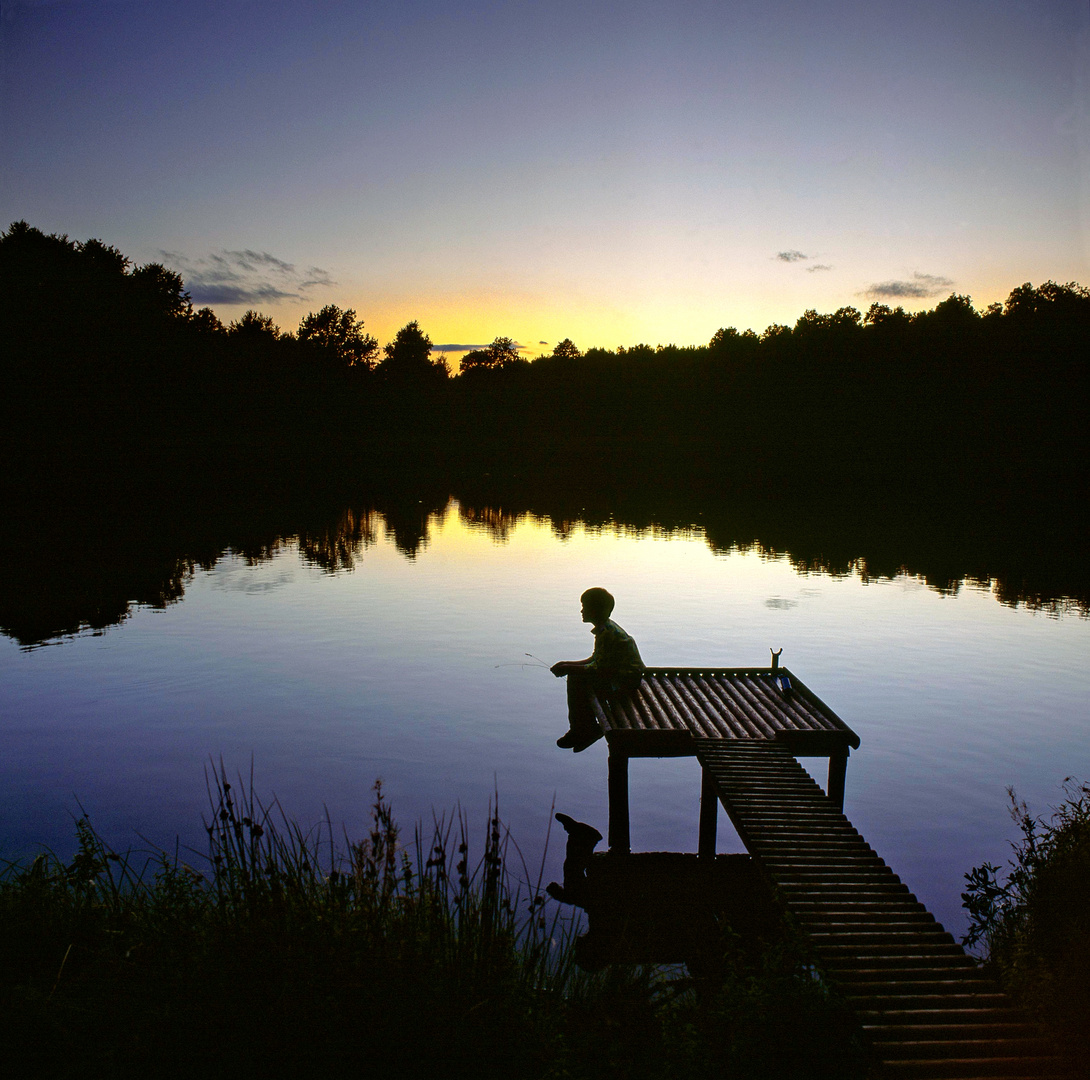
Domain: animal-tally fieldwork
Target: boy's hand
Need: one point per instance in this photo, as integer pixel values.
(561, 667)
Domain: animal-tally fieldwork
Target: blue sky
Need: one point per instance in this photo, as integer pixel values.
(609, 172)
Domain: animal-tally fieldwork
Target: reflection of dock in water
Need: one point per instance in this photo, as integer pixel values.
(923, 1003)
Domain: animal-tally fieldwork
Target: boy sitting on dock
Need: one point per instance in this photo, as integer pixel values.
(614, 666)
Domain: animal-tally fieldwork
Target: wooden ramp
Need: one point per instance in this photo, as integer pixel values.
(925, 1006)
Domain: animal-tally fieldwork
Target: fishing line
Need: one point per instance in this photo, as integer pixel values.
(538, 662)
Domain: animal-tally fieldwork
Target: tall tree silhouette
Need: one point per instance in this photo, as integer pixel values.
(408, 358)
(338, 336)
(502, 353)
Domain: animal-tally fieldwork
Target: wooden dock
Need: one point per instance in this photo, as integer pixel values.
(923, 1003)
(675, 707)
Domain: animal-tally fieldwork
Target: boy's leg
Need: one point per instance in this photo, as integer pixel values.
(583, 726)
(578, 705)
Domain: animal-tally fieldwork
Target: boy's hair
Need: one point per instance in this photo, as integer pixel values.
(599, 601)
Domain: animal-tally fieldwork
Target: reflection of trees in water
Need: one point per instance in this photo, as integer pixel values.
(254, 553)
(834, 548)
(84, 571)
(338, 546)
(496, 521)
(408, 522)
(88, 590)
(947, 540)
(88, 570)
(564, 528)
(1014, 594)
(983, 563)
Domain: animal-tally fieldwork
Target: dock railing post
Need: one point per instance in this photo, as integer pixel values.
(709, 815)
(619, 839)
(838, 768)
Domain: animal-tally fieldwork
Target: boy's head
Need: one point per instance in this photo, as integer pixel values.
(597, 605)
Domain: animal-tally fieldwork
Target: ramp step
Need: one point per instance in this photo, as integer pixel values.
(926, 1007)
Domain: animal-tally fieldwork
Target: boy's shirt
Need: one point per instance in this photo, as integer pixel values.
(615, 651)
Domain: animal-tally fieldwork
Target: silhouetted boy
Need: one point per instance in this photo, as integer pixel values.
(615, 665)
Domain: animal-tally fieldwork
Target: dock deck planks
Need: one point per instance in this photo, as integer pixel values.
(674, 705)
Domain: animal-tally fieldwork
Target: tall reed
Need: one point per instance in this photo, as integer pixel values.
(476, 920)
(288, 951)
(286, 937)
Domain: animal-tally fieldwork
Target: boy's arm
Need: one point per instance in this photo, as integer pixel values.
(562, 667)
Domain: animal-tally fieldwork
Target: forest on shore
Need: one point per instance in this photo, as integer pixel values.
(107, 366)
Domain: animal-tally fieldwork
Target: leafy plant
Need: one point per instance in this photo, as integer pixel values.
(1032, 918)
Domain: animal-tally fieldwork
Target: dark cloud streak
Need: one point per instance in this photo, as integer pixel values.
(245, 277)
(921, 287)
(451, 346)
(791, 256)
(235, 294)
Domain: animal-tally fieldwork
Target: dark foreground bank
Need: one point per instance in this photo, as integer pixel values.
(286, 952)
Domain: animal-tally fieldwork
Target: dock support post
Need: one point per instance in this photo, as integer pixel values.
(709, 815)
(619, 839)
(838, 767)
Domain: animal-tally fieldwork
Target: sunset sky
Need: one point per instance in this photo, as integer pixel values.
(612, 172)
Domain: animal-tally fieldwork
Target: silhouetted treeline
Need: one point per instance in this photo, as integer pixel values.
(102, 358)
(107, 365)
(944, 397)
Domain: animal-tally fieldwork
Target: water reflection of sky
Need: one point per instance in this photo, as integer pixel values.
(416, 671)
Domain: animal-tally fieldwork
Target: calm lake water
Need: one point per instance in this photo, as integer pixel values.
(414, 668)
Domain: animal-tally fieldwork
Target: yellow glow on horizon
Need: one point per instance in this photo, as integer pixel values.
(678, 313)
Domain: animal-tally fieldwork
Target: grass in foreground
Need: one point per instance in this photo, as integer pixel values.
(291, 953)
(1033, 919)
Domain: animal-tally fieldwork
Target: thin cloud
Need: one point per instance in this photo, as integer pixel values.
(816, 267)
(791, 256)
(253, 261)
(920, 287)
(201, 293)
(453, 347)
(245, 277)
(317, 278)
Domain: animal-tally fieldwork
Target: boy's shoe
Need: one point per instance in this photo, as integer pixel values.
(586, 738)
(567, 740)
